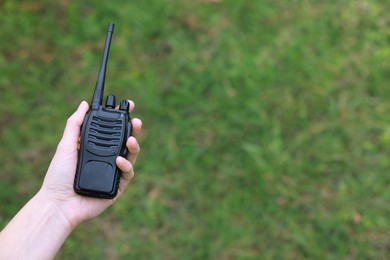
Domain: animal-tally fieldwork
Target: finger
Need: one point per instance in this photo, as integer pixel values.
(127, 172)
(137, 125)
(135, 122)
(132, 105)
(133, 148)
(73, 124)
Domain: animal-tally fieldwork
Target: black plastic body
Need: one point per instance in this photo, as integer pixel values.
(103, 138)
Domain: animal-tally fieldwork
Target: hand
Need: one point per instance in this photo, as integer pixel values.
(58, 184)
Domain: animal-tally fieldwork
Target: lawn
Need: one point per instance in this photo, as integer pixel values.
(266, 124)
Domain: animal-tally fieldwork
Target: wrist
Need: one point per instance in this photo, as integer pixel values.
(54, 212)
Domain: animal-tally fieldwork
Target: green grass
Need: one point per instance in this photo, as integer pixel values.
(266, 123)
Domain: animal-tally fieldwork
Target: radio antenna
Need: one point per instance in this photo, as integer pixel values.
(97, 98)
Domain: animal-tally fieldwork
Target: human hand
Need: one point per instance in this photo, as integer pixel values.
(58, 184)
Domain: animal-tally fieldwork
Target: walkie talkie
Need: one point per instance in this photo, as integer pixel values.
(103, 138)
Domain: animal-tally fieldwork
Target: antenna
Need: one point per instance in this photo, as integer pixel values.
(97, 98)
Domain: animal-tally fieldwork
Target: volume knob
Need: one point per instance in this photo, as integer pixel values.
(110, 101)
(124, 105)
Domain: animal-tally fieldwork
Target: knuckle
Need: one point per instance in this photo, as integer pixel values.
(128, 175)
(136, 149)
(70, 121)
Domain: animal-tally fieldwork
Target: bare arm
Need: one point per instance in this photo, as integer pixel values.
(40, 228)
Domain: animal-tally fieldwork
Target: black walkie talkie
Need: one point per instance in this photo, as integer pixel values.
(103, 138)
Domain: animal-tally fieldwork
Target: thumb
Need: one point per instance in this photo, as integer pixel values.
(73, 125)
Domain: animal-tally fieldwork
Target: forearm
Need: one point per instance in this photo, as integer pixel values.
(36, 232)
(42, 225)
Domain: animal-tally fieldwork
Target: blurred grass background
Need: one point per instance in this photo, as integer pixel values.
(266, 123)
